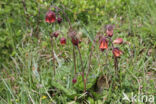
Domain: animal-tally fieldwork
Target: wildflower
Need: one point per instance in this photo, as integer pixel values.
(117, 52)
(63, 41)
(50, 17)
(103, 44)
(43, 97)
(118, 41)
(55, 34)
(72, 34)
(59, 20)
(75, 41)
(109, 30)
(74, 80)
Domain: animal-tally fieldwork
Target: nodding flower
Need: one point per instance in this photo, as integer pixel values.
(63, 41)
(118, 41)
(59, 20)
(75, 41)
(109, 30)
(103, 44)
(117, 52)
(50, 17)
(73, 35)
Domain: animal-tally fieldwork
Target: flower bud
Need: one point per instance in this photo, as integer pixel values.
(59, 20)
(109, 30)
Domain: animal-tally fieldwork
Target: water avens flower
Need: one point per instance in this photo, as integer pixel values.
(103, 44)
(63, 41)
(75, 41)
(117, 52)
(50, 17)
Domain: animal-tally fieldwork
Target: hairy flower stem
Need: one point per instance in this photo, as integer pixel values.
(116, 64)
(117, 71)
(115, 58)
(74, 58)
(52, 52)
(84, 80)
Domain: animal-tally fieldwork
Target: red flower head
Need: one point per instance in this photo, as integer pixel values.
(109, 30)
(117, 52)
(59, 20)
(118, 41)
(75, 41)
(72, 34)
(50, 17)
(103, 44)
(74, 80)
(63, 41)
(55, 34)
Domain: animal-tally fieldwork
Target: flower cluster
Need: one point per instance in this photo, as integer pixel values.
(51, 18)
(104, 41)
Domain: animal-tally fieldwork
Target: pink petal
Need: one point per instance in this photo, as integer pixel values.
(118, 41)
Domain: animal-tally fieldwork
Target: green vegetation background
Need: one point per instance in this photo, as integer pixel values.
(13, 18)
(135, 21)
